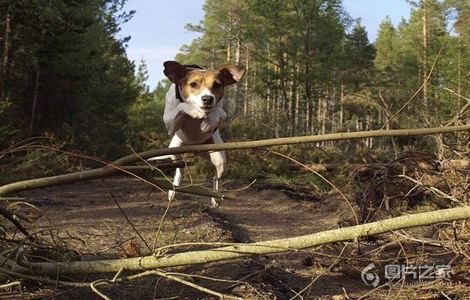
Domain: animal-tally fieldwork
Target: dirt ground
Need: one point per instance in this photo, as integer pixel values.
(85, 217)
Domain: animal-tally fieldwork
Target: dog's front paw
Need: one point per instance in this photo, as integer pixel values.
(208, 125)
(193, 111)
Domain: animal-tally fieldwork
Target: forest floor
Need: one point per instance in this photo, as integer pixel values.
(84, 217)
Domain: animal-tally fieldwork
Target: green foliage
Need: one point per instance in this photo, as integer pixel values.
(404, 60)
(385, 45)
(65, 72)
(145, 127)
(310, 70)
(360, 56)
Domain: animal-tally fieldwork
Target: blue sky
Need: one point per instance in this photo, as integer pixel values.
(157, 29)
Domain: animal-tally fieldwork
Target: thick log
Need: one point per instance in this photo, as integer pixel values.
(244, 250)
(454, 164)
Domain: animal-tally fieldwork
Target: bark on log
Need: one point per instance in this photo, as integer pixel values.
(244, 250)
(114, 168)
(293, 141)
(456, 164)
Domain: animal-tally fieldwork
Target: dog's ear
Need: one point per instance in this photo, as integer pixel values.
(230, 74)
(174, 71)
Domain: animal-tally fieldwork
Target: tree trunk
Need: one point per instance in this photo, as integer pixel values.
(229, 39)
(35, 101)
(256, 108)
(324, 112)
(459, 71)
(237, 87)
(341, 109)
(425, 61)
(245, 86)
(297, 104)
(6, 51)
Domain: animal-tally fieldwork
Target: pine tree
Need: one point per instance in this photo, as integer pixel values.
(360, 56)
(141, 78)
(66, 71)
(145, 127)
(385, 45)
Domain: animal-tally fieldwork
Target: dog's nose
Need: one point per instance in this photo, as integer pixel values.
(207, 99)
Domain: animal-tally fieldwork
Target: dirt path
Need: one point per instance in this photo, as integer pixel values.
(84, 217)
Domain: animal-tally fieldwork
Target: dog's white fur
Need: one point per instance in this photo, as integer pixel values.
(190, 122)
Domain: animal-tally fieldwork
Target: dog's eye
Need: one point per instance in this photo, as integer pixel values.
(193, 85)
(216, 85)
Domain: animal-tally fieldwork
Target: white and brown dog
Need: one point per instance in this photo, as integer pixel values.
(194, 110)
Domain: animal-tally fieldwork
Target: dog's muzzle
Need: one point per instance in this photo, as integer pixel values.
(207, 101)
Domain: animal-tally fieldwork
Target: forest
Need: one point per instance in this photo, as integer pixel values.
(65, 74)
(72, 102)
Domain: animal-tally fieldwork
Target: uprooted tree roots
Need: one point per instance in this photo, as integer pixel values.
(412, 178)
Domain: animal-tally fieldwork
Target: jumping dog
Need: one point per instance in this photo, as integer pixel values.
(194, 110)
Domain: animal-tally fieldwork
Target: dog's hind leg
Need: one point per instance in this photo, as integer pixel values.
(175, 142)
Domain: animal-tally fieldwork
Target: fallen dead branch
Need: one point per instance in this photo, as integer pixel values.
(195, 286)
(13, 219)
(240, 250)
(454, 164)
(10, 285)
(115, 167)
(116, 280)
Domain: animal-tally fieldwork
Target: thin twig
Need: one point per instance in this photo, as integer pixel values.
(432, 189)
(160, 225)
(96, 291)
(309, 286)
(195, 286)
(234, 282)
(128, 220)
(457, 94)
(421, 241)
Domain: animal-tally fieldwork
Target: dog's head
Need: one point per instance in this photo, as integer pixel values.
(203, 88)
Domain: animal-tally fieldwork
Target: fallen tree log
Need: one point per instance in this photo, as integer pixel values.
(453, 164)
(241, 250)
(114, 167)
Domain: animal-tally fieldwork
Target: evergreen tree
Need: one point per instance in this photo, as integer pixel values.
(384, 45)
(360, 56)
(64, 71)
(145, 128)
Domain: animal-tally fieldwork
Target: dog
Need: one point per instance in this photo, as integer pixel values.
(194, 111)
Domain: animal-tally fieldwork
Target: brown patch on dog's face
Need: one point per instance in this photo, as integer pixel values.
(199, 81)
(203, 88)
